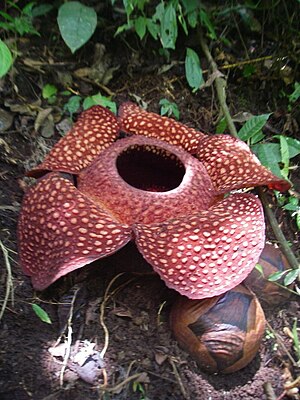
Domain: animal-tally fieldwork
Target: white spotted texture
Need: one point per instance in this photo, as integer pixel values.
(200, 244)
(207, 253)
(61, 230)
(95, 130)
(134, 119)
(102, 183)
(231, 165)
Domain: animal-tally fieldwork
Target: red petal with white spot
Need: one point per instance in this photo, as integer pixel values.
(207, 253)
(95, 129)
(231, 165)
(134, 119)
(61, 230)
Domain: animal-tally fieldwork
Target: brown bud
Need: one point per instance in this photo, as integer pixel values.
(269, 293)
(222, 333)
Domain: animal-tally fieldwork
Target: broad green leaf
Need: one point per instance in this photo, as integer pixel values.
(190, 5)
(153, 28)
(192, 18)
(41, 10)
(291, 276)
(205, 20)
(169, 108)
(73, 104)
(276, 276)
(257, 138)
(43, 316)
(193, 70)
(49, 91)
(269, 155)
(6, 59)
(168, 28)
(140, 26)
(77, 23)
(252, 126)
(294, 146)
(101, 100)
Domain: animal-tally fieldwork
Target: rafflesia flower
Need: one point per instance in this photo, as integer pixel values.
(147, 178)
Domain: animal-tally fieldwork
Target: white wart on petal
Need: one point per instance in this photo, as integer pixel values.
(134, 119)
(95, 129)
(208, 253)
(61, 230)
(231, 165)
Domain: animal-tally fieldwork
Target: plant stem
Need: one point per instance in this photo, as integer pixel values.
(277, 231)
(220, 84)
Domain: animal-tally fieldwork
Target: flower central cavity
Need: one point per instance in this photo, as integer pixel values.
(150, 168)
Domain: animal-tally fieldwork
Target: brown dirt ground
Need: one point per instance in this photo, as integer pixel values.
(140, 344)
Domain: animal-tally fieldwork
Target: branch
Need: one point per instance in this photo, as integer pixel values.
(220, 83)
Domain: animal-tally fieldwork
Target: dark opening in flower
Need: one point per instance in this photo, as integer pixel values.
(162, 187)
(150, 168)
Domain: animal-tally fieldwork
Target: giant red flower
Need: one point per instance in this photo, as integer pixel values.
(164, 185)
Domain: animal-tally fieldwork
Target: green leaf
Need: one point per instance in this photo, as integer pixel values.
(73, 104)
(153, 28)
(253, 126)
(293, 97)
(100, 100)
(222, 125)
(43, 316)
(260, 269)
(140, 25)
(298, 220)
(294, 146)
(168, 108)
(192, 18)
(205, 20)
(269, 155)
(291, 276)
(276, 276)
(168, 28)
(6, 59)
(77, 23)
(248, 70)
(285, 156)
(193, 70)
(257, 137)
(41, 10)
(49, 91)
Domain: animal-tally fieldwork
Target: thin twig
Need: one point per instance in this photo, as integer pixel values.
(269, 391)
(69, 340)
(107, 295)
(9, 289)
(282, 345)
(119, 386)
(178, 377)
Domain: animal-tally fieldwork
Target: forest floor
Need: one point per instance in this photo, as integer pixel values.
(143, 360)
